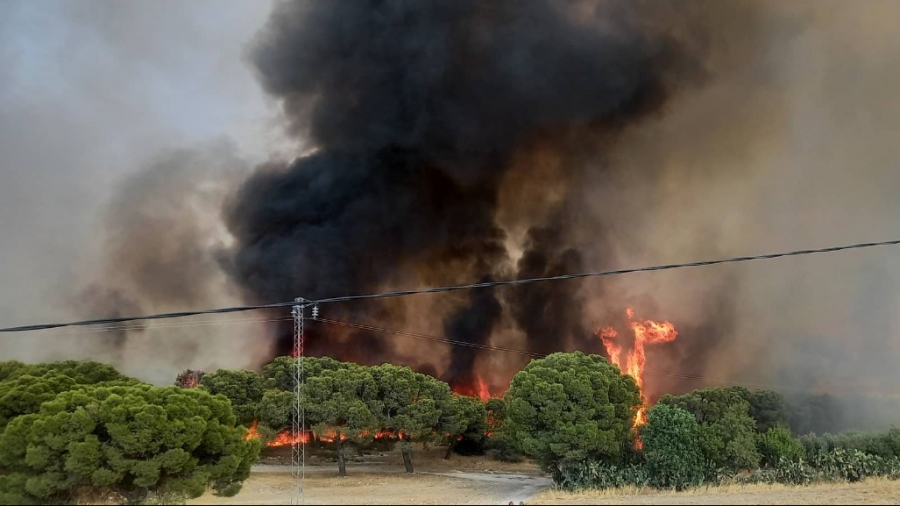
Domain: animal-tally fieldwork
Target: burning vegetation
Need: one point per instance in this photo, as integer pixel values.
(453, 145)
(189, 379)
(626, 350)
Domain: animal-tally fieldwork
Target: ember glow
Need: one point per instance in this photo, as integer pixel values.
(189, 379)
(645, 332)
(288, 438)
(479, 389)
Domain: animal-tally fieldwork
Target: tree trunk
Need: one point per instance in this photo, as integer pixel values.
(342, 465)
(407, 458)
(450, 448)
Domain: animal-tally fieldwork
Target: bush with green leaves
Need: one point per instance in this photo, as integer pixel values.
(245, 390)
(854, 465)
(672, 452)
(571, 407)
(407, 406)
(23, 388)
(501, 448)
(583, 475)
(139, 441)
(464, 422)
(728, 438)
(883, 444)
(838, 465)
(342, 405)
(281, 373)
(778, 444)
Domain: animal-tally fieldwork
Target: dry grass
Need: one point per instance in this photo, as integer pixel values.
(873, 491)
(424, 459)
(358, 488)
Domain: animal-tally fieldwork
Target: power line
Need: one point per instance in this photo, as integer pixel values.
(430, 338)
(489, 284)
(652, 372)
(199, 323)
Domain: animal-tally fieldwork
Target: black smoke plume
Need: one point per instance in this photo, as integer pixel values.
(420, 114)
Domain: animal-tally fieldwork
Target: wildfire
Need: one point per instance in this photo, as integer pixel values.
(289, 438)
(645, 332)
(480, 390)
(189, 379)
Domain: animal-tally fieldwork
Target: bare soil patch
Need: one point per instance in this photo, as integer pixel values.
(359, 488)
(379, 477)
(874, 491)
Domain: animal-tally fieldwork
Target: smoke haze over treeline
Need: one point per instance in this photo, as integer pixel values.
(454, 142)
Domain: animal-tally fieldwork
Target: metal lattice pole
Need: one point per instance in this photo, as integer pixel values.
(298, 418)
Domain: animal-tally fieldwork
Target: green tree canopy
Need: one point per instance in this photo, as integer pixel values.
(11, 369)
(342, 405)
(672, 452)
(25, 387)
(571, 406)
(82, 372)
(778, 444)
(406, 406)
(730, 442)
(496, 413)
(135, 440)
(768, 409)
(276, 409)
(463, 418)
(281, 372)
(727, 431)
(245, 390)
(708, 405)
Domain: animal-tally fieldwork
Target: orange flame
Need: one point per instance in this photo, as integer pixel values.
(479, 390)
(645, 332)
(483, 393)
(289, 438)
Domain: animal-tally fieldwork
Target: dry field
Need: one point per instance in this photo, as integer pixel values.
(875, 491)
(379, 478)
(358, 488)
(393, 488)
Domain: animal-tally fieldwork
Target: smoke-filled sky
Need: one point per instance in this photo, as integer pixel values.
(148, 163)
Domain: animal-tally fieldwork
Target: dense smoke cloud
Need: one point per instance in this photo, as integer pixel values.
(420, 114)
(162, 232)
(91, 94)
(456, 142)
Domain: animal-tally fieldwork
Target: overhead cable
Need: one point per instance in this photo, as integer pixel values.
(488, 284)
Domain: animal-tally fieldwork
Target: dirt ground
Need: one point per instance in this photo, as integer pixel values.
(358, 488)
(380, 478)
(424, 460)
(875, 491)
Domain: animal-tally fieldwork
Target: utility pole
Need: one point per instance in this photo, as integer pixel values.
(298, 418)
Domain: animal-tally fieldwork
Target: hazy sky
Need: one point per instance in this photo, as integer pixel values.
(88, 92)
(795, 146)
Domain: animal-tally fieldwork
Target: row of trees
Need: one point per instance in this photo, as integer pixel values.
(568, 406)
(563, 410)
(72, 430)
(349, 403)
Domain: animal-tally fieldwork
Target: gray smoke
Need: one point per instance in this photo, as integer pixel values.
(421, 114)
(91, 94)
(458, 141)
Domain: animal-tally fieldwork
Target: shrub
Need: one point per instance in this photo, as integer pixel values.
(568, 475)
(137, 441)
(245, 390)
(571, 406)
(882, 444)
(499, 447)
(777, 444)
(672, 451)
